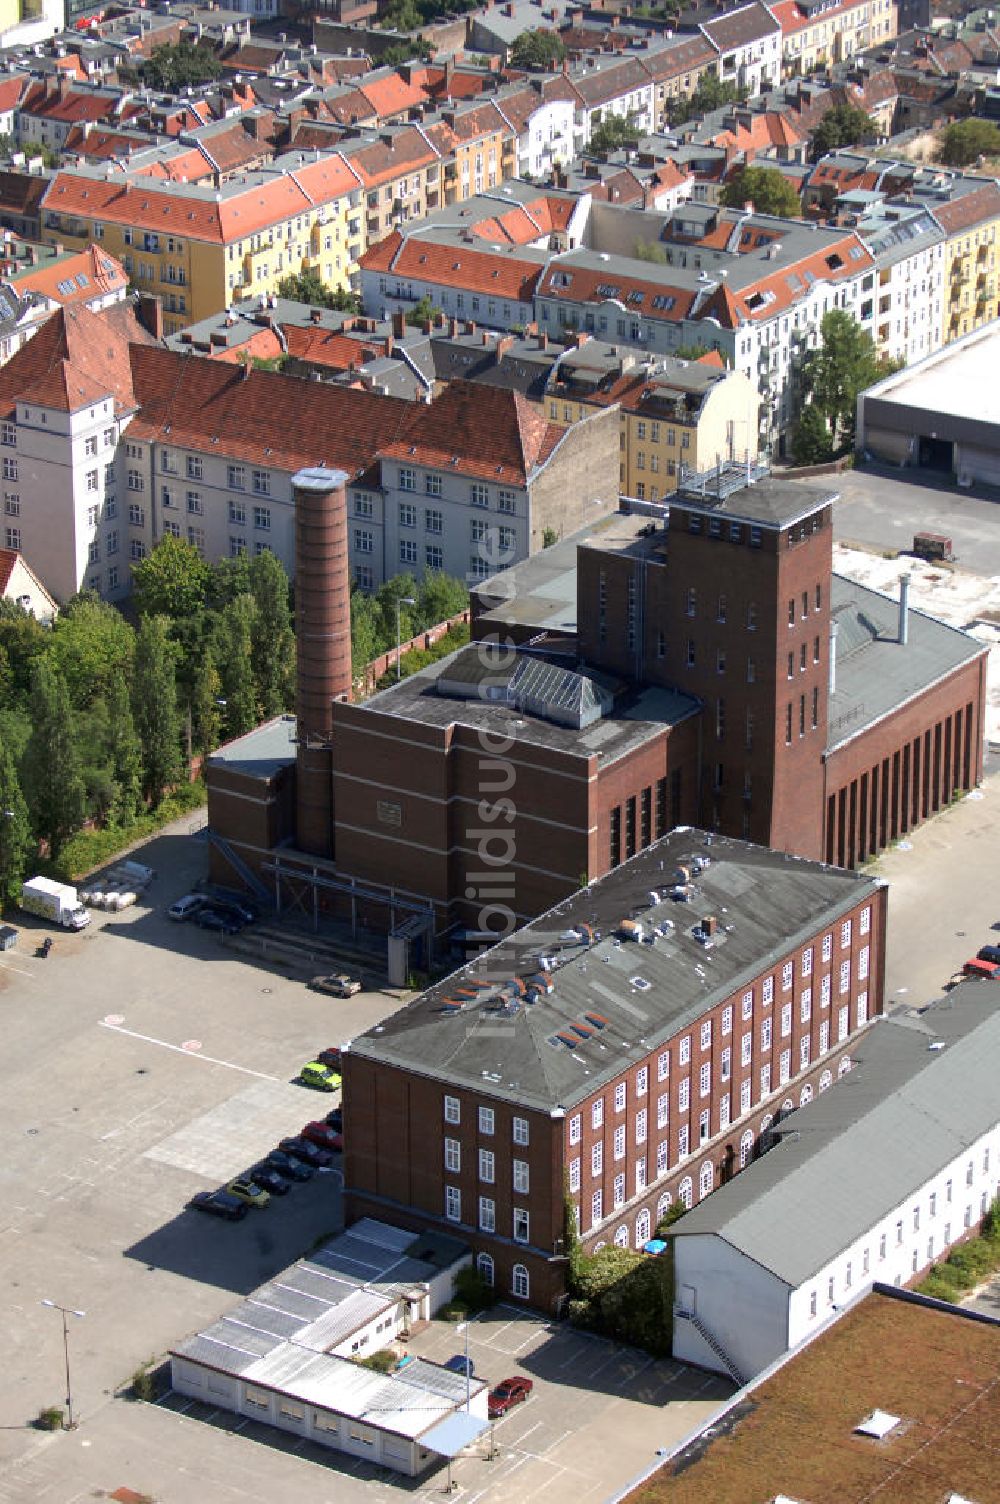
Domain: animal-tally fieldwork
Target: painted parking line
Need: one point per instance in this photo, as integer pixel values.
(9, 966)
(178, 1049)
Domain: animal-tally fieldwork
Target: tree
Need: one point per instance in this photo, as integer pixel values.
(52, 778)
(15, 829)
(91, 643)
(176, 65)
(154, 706)
(366, 631)
(206, 718)
(845, 364)
(235, 649)
(170, 581)
(125, 755)
(423, 312)
(710, 93)
(614, 132)
(766, 188)
(964, 140)
(23, 640)
(811, 442)
(844, 125)
(271, 635)
(308, 287)
(537, 49)
(439, 598)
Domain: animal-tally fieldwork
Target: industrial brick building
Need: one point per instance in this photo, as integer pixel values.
(708, 668)
(634, 1042)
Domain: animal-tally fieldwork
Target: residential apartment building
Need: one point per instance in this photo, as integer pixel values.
(748, 40)
(908, 245)
(767, 1244)
(971, 224)
(632, 1074)
(822, 33)
(202, 248)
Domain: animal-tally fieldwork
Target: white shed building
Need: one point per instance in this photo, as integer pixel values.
(874, 1180)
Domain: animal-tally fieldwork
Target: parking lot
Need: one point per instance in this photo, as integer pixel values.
(883, 507)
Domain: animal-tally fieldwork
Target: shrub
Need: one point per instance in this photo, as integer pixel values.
(472, 1291)
(384, 1361)
(143, 1385)
(49, 1419)
(627, 1296)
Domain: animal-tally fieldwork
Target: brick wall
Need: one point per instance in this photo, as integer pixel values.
(580, 482)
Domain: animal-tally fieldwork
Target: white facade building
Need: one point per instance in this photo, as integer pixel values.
(908, 246)
(873, 1180)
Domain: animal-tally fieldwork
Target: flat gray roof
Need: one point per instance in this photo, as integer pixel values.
(551, 1053)
(861, 1148)
(637, 715)
(769, 501)
(956, 381)
(875, 672)
(262, 751)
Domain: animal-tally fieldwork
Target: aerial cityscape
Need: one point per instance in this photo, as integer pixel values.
(500, 751)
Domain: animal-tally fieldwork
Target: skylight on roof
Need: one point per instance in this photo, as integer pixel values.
(878, 1424)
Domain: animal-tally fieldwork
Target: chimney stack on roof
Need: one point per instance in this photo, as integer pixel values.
(904, 609)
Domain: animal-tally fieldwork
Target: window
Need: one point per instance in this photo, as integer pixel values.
(12, 536)
(620, 1097)
(862, 1009)
(521, 1177)
(807, 962)
(706, 1179)
(784, 1066)
(484, 1264)
(194, 503)
(237, 511)
(506, 501)
(407, 480)
(487, 1166)
(453, 1203)
(596, 1208)
(705, 1079)
(824, 992)
(864, 921)
(136, 549)
(691, 602)
(452, 1110)
(727, 1021)
(619, 1190)
(262, 482)
(519, 1282)
(364, 540)
(827, 951)
(662, 1110)
(683, 1142)
(520, 1225)
(804, 1049)
(10, 469)
(133, 479)
(786, 1020)
(706, 1034)
(520, 1130)
(765, 1035)
(486, 1119)
(746, 1048)
(452, 1155)
(8, 434)
(479, 494)
(574, 1129)
(12, 507)
(487, 1214)
(574, 1174)
(845, 934)
(408, 550)
(619, 1142)
(843, 1024)
(684, 1050)
(845, 977)
(194, 467)
(196, 537)
(236, 477)
(407, 514)
(262, 518)
(640, 1126)
(136, 515)
(767, 991)
(597, 1158)
(684, 1094)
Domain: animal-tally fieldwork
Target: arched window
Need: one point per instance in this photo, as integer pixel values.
(663, 1206)
(706, 1179)
(844, 1066)
(746, 1148)
(484, 1263)
(519, 1281)
(825, 1080)
(599, 1246)
(805, 1095)
(787, 1106)
(642, 1228)
(685, 1191)
(621, 1237)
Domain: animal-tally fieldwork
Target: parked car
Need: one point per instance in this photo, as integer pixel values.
(989, 953)
(507, 1394)
(324, 1136)
(268, 1178)
(244, 912)
(463, 1365)
(337, 984)
(984, 969)
(186, 907)
(219, 1204)
(288, 1167)
(311, 1154)
(314, 1073)
(330, 1058)
(211, 918)
(335, 1118)
(248, 1191)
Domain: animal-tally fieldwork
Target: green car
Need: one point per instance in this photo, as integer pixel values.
(319, 1076)
(248, 1192)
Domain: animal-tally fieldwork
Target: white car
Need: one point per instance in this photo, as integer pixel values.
(186, 907)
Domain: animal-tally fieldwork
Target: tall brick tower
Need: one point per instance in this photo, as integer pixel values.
(323, 634)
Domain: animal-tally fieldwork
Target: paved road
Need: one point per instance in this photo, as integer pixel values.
(879, 508)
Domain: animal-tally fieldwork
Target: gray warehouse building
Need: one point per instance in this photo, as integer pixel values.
(942, 414)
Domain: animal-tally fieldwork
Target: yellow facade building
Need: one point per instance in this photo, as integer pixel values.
(971, 223)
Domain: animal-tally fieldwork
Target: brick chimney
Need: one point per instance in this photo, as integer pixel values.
(149, 311)
(399, 325)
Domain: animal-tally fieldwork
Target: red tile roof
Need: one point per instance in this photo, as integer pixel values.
(331, 349)
(11, 88)
(493, 434)
(92, 273)
(69, 107)
(522, 224)
(962, 213)
(76, 358)
(259, 415)
(501, 274)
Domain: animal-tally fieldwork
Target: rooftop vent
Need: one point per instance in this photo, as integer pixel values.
(878, 1425)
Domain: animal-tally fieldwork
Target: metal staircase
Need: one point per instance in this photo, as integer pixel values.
(239, 866)
(716, 1346)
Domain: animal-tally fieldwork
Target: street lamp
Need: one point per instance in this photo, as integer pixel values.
(402, 600)
(66, 1311)
(463, 1326)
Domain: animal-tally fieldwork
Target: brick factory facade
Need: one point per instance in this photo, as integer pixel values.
(633, 1071)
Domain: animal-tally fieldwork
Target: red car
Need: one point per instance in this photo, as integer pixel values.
(330, 1058)
(322, 1134)
(507, 1394)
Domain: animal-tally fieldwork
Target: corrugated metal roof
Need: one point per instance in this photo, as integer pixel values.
(862, 1147)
